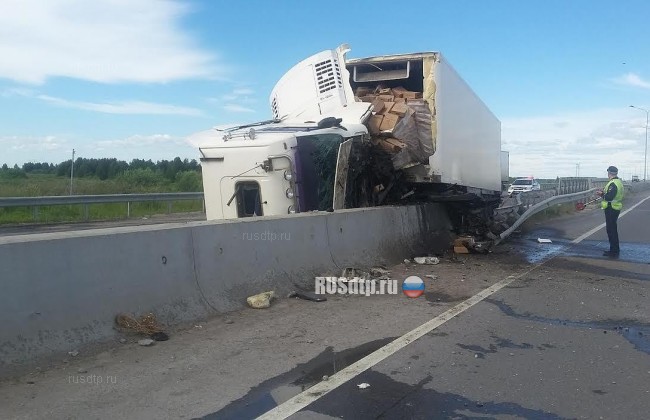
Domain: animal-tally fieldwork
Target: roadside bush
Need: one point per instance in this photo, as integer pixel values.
(12, 174)
(140, 179)
(189, 181)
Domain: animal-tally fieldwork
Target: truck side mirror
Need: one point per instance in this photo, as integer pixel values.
(267, 165)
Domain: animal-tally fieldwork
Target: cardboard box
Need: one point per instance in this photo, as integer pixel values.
(412, 95)
(400, 89)
(387, 146)
(400, 100)
(467, 241)
(378, 106)
(374, 123)
(395, 142)
(389, 122)
(387, 107)
(386, 98)
(399, 109)
(363, 91)
(385, 91)
(368, 98)
(461, 250)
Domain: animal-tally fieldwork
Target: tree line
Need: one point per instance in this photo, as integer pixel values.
(105, 168)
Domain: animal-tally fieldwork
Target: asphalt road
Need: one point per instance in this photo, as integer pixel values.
(565, 335)
(569, 339)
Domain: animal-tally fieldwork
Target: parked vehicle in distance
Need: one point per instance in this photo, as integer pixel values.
(635, 178)
(524, 185)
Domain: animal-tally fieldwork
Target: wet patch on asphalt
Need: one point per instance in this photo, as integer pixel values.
(260, 398)
(499, 342)
(440, 297)
(636, 333)
(388, 398)
(533, 252)
(598, 270)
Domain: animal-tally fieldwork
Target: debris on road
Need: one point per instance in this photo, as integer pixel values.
(461, 250)
(146, 342)
(363, 385)
(426, 260)
(302, 294)
(159, 336)
(544, 241)
(431, 276)
(73, 353)
(146, 325)
(407, 261)
(379, 272)
(355, 273)
(260, 301)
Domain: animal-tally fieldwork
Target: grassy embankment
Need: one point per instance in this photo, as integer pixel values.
(128, 183)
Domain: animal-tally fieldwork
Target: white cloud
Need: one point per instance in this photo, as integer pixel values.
(239, 100)
(21, 149)
(243, 92)
(632, 79)
(141, 141)
(550, 146)
(108, 41)
(140, 146)
(237, 108)
(129, 107)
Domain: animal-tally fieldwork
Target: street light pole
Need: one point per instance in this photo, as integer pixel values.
(645, 155)
(71, 171)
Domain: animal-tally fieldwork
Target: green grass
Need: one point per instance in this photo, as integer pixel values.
(50, 185)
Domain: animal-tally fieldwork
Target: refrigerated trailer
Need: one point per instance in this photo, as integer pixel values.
(320, 150)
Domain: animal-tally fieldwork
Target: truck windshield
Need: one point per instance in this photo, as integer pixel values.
(523, 182)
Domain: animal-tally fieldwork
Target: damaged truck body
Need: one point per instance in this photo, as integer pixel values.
(350, 133)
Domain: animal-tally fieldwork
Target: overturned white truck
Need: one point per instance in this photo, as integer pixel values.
(356, 133)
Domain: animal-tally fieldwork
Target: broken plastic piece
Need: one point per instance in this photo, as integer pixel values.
(426, 260)
(309, 296)
(544, 241)
(364, 385)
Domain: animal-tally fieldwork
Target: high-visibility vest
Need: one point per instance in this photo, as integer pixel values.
(617, 202)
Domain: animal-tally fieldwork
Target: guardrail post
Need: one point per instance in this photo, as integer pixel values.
(128, 209)
(35, 213)
(169, 207)
(86, 212)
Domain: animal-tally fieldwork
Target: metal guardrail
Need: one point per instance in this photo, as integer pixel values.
(558, 199)
(86, 200)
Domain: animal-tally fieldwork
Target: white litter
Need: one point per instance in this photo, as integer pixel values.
(426, 260)
(544, 241)
(364, 385)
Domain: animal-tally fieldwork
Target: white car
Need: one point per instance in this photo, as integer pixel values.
(524, 185)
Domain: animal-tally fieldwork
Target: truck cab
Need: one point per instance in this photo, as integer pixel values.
(274, 168)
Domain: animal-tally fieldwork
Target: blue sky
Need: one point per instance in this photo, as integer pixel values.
(132, 79)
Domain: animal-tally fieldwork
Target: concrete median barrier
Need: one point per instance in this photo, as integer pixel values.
(61, 291)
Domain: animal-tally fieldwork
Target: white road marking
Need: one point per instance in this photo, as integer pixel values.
(599, 227)
(312, 394)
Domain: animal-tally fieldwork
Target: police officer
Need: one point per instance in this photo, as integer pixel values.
(612, 204)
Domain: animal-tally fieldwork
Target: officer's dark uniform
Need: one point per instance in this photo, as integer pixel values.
(612, 205)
